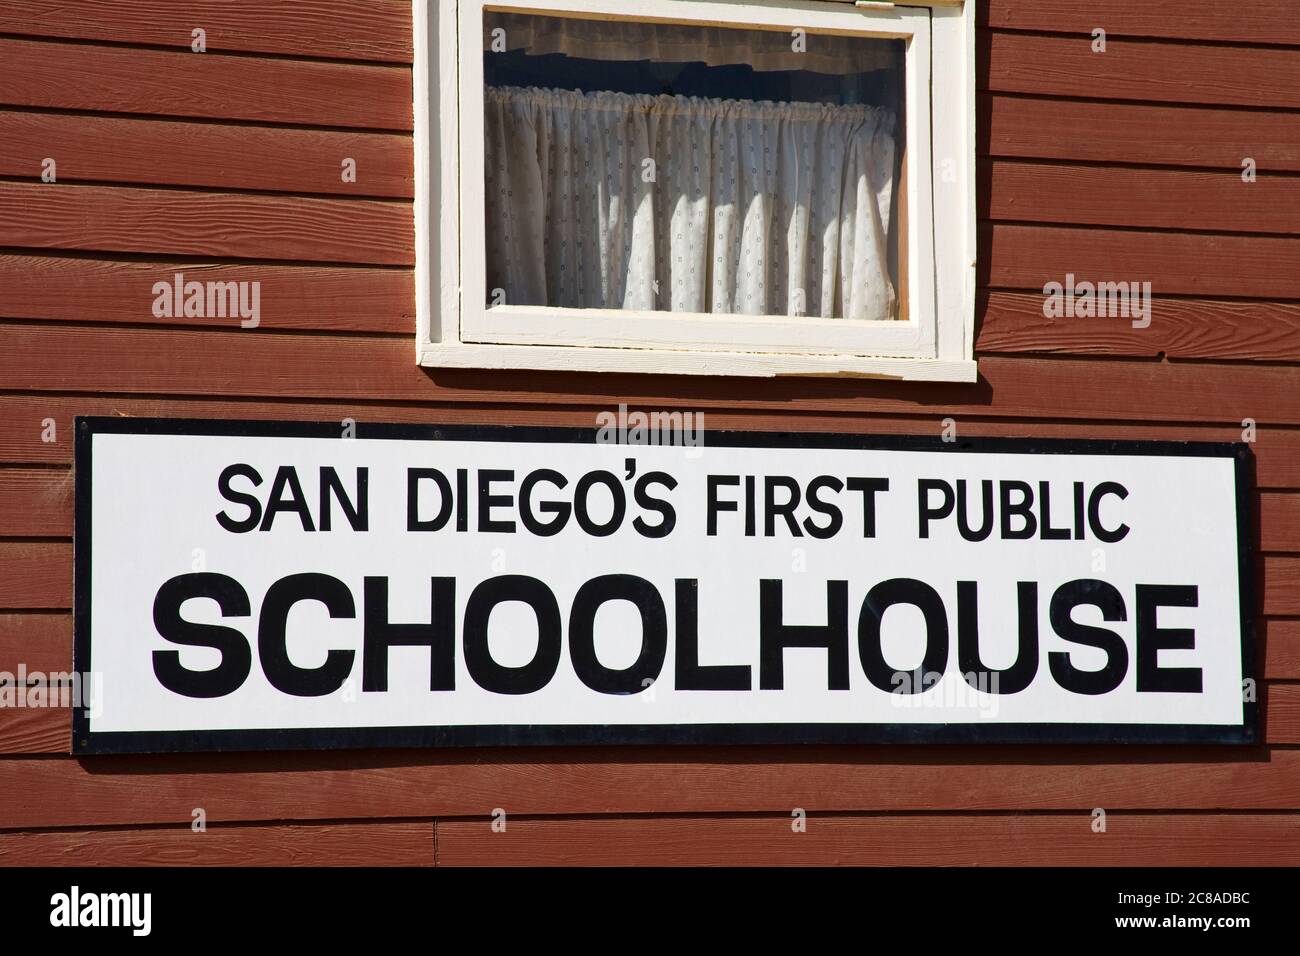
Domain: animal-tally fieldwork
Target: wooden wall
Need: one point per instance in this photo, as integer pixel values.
(227, 164)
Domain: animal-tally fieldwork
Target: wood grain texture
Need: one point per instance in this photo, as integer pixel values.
(1280, 639)
(1280, 587)
(86, 289)
(163, 83)
(329, 29)
(36, 730)
(1276, 450)
(1017, 256)
(260, 364)
(1163, 72)
(148, 789)
(115, 149)
(1279, 522)
(1114, 132)
(1259, 21)
(183, 222)
(1236, 329)
(22, 417)
(902, 840)
(35, 503)
(36, 575)
(72, 288)
(42, 642)
(1281, 710)
(1074, 193)
(46, 729)
(333, 844)
(1281, 648)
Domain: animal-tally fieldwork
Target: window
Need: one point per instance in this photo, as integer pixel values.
(696, 186)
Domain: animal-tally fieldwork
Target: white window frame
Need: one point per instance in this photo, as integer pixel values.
(933, 343)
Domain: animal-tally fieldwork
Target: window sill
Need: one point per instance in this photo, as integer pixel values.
(666, 362)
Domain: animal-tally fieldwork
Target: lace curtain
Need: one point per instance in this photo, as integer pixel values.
(670, 203)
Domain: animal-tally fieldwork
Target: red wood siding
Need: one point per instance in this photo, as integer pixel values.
(226, 165)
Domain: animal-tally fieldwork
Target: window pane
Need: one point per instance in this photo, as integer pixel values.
(676, 168)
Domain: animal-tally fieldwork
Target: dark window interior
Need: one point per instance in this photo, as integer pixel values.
(557, 71)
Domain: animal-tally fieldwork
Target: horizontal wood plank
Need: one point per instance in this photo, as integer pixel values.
(37, 729)
(254, 363)
(1280, 587)
(162, 83)
(64, 359)
(35, 503)
(1259, 21)
(23, 423)
(330, 29)
(1278, 519)
(183, 222)
(36, 575)
(86, 289)
(1281, 710)
(45, 727)
(358, 367)
(1174, 840)
(37, 642)
(147, 789)
(1074, 193)
(1278, 583)
(1167, 72)
(1193, 264)
(115, 149)
(333, 844)
(71, 288)
(1280, 638)
(1236, 329)
(1115, 132)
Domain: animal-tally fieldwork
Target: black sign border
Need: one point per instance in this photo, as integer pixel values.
(86, 742)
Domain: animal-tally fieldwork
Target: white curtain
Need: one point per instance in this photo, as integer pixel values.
(620, 201)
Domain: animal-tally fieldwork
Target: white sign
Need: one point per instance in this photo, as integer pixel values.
(253, 585)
